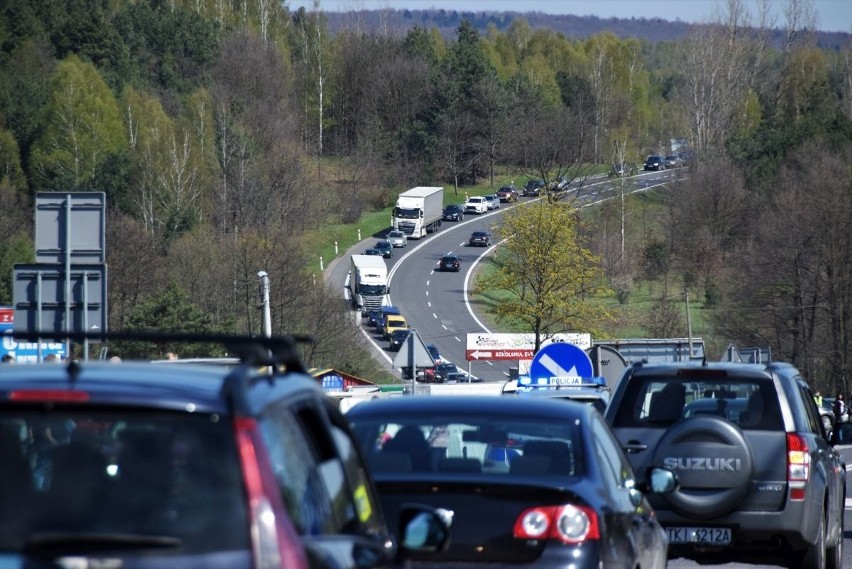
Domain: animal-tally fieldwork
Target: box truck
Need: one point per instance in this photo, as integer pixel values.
(368, 282)
(418, 211)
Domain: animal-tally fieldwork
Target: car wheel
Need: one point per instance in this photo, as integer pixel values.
(704, 493)
(834, 555)
(814, 556)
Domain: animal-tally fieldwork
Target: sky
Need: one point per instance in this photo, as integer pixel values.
(834, 15)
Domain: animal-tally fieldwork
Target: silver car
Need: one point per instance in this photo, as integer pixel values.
(397, 238)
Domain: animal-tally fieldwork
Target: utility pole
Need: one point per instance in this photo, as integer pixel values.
(264, 303)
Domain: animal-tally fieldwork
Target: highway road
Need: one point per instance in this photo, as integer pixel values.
(436, 304)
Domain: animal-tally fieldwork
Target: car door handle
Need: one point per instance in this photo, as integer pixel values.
(634, 446)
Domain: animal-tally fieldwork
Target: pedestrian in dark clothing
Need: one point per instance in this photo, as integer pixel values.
(839, 409)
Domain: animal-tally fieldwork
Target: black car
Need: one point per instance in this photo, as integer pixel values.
(397, 338)
(550, 478)
(182, 465)
(758, 479)
(533, 188)
(479, 239)
(449, 263)
(373, 251)
(446, 370)
(385, 248)
(454, 212)
(654, 163)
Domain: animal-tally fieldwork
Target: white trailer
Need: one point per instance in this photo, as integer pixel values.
(418, 211)
(368, 282)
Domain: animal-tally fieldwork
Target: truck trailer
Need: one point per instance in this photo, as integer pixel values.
(419, 211)
(368, 282)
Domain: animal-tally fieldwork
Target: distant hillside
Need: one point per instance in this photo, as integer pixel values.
(575, 27)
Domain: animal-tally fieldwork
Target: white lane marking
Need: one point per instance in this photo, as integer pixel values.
(435, 316)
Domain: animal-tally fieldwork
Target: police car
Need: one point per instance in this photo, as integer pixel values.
(590, 390)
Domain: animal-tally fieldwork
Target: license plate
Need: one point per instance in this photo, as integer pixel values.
(714, 536)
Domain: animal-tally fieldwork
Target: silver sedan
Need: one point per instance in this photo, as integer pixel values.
(397, 238)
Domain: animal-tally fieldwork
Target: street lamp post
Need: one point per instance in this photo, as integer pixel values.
(264, 303)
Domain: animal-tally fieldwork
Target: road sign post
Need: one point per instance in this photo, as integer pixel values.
(560, 361)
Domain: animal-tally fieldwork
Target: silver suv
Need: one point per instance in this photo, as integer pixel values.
(757, 477)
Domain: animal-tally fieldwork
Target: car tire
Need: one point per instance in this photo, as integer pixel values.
(700, 496)
(834, 555)
(814, 557)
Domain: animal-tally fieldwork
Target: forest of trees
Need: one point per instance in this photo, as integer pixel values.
(212, 127)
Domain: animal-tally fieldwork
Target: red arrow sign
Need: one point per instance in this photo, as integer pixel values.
(509, 354)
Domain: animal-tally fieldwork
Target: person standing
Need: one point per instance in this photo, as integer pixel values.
(839, 409)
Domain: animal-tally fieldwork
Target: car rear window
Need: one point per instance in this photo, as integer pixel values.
(750, 403)
(146, 481)
(450, 447)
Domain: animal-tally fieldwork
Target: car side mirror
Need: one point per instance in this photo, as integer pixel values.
(659, 481)
(424, 529)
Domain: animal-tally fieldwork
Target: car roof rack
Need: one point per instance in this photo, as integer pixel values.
(274, 351)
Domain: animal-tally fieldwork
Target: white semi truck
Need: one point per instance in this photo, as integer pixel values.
(368, 282)
(418, 211)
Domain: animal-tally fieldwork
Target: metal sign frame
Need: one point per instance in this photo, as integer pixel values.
(40, 303)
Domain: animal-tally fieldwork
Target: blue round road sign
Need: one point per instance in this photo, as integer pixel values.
(560, 360)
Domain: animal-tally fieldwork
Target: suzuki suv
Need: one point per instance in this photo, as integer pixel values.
(757, 477)
(137, 464)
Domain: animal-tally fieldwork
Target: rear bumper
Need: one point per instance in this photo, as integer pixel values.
(791, 529)
(586, 556)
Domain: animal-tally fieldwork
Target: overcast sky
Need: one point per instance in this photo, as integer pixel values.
(834, 15)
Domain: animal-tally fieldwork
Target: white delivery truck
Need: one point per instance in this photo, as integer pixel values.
(419, 211)
(368, 282)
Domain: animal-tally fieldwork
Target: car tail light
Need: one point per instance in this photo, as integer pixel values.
(275, 543)
(49, 396)
(567, 523)
(798, 465)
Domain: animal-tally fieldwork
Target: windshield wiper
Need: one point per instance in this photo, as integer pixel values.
(84, 542)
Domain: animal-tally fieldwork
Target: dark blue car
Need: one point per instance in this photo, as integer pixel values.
(543, 483)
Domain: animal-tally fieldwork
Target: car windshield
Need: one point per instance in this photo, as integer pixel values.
(130, 480)
(450, 445)
(750, 403)
(372, 290)
(407, 213)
